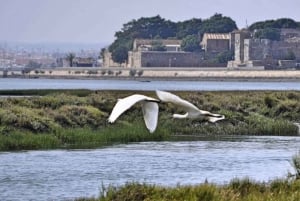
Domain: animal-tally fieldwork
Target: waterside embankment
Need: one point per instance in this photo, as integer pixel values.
(160, 73)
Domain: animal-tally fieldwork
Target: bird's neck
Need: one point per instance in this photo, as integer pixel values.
(180, 116)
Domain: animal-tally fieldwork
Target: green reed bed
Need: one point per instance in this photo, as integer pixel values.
(79, 118)
(77, 138)
(236, 190)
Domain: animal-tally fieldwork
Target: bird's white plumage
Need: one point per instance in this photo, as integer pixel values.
(149, 107)
(191, 110)
(172, 98)
(150, 113)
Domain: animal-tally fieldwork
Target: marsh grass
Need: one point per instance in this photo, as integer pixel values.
(27, 141)
(78, 138)
(296, 165)
(236, 190)
(79, 117)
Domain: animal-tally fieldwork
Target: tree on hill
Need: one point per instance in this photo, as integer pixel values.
(188, 27)
(267, 33)
(157, 27)
(151, 27)
(285, 23)
(218, 24)
(275, 24)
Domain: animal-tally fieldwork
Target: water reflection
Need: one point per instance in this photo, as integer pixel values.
(65, 174)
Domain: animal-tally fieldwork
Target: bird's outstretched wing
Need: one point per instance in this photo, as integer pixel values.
(191, 109)
(125, 103)
(171, 98)
(150, 112)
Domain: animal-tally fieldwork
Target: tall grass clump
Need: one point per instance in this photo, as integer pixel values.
(262, 125)
(237, 190)
(296, 165)
(28, 141)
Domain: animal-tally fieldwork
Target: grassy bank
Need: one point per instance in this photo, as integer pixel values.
(71, 118)
(237, 190)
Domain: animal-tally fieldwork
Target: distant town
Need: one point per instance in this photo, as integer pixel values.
(44, 55)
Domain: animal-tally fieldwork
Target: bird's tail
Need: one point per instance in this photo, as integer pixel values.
(215, 119)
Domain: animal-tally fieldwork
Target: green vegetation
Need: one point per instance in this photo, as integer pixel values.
(236, 190)
(191, 44)
(224, 57)
(296, 165)
(190, 31)
(159, 28)
(120, 54)
(78, 118)
(275, 24)
(269, 29)
(70, 57)
(268, 33)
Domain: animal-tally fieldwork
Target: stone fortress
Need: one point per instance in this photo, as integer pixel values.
(245, 50)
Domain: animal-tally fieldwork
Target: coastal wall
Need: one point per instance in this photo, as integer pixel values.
(260, 49)
(172, 59)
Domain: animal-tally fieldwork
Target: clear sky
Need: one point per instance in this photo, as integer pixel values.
(96, 21)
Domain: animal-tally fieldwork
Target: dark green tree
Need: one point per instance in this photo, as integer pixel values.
(188, 27)
(157, 27)
(151, 27)
(268, 33)
(70, 57)
(120, 54)
(191, 43)
(285, 23)
(224, 57)
(102, 52)
(218, 24)
(276, 24)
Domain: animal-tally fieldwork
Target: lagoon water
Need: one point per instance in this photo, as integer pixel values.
(67, 174)
(15, 83)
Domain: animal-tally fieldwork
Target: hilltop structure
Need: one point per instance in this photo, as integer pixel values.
(240, 48)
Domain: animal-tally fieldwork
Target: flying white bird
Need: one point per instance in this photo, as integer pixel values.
(149, 108)
(191, 110)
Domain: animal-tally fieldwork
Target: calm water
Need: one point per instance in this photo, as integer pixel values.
(11, 83)
(66, 174)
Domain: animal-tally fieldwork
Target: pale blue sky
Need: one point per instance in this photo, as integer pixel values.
(91, 21)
